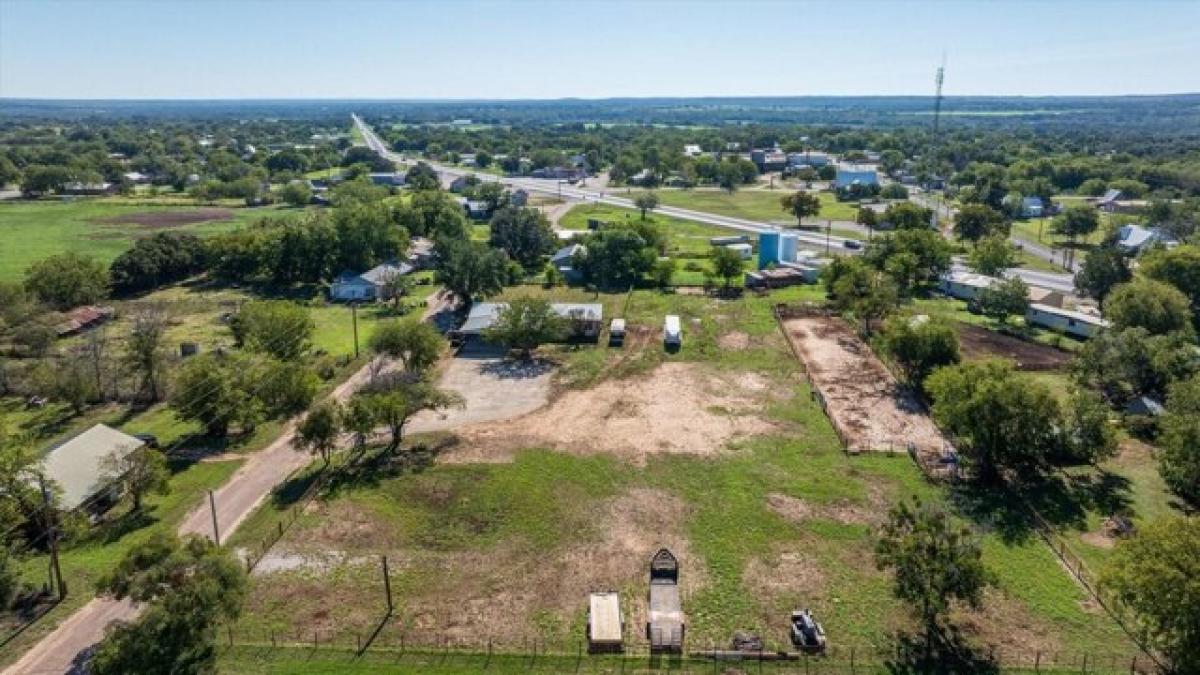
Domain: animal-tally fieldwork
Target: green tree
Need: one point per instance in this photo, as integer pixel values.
(1154, 574)
(913, 258)
(977, 221)
(188, 589)
(616, 257)
(646, 201)
(992, 255)
(1124, 364)
(1003, 299)
(395, 286)
(67, 280)
(1088, 434)
(867, 218)
(523, 233)
(215, 391)
(319, 431)
(416, 344)
(866, 293)
(1179, 463)
(1103, 268)
(1180, 267)
(935, 561)
(727, 264)
(920, 346)
(663, 272)
(1076, 221)
(280, 328)
(358, 418)
(801, 205)
(138, 472)
(908, 216)
(525, 324)
(395, 405)
(296, 193)
(1158, 307)
(1003, 419)
(470, 269)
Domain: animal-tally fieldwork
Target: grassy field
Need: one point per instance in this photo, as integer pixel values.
(687, 240)
(517, 542)
(757, 204)
(101, 228)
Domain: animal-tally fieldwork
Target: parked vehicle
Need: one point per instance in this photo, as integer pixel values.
(807, 634)
(672, 332)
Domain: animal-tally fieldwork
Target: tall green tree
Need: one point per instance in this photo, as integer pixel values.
(416, 344)
(1003, 419)
(1104, 267)
(67, 280)
(139, 472)
(470, 269)
(188, 589)
(280, 328)
(527, 323)
(992, 255)
(645, 202)
(935, 562)
(523, 233)
(1076, 221)
(319, 431)
(801, 205)
(866, 293)
(145, 351)
(978, 221)
(727, 264)
(1179, 462)
(920, 347)
(1006, 298)
(1158, 307)
(1180, 267)
(1154, 574)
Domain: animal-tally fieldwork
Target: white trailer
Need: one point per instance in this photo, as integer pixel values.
(672, 332)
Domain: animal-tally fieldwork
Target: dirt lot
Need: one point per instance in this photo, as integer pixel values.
(678, 408)
(494, 389)
(978, 342)
(870, 411)
(169, 218)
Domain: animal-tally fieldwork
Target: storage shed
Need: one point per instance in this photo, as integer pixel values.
(605, 627)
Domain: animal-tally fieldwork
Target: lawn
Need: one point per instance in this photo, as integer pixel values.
(518, 542)
(101, 228)
(687, 241)
(756, 204)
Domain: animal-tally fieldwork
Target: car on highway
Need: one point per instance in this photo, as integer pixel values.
(852, 244)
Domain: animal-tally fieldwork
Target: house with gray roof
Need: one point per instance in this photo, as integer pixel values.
(76, 464)
(367, 286)
(563, 260)
(1133, 239)
(585, 318)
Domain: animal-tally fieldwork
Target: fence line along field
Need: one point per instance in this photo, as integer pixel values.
(498, 531)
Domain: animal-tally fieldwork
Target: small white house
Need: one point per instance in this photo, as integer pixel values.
(692, 150)
(1068, 321)
(744, 250)
(370, 285)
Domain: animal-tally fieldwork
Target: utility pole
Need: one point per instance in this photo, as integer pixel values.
(387, 585)
(52, 532)
(354, 319)
(828, 230)
(212, 507)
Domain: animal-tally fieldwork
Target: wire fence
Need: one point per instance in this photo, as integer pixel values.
(390, 640)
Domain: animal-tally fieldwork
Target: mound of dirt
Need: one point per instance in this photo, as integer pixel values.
(678, 409)
(167, 219)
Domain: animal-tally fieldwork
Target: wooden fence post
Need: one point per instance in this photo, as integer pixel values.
(1037, 662)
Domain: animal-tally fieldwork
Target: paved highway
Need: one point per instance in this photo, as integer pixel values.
(1059, 282)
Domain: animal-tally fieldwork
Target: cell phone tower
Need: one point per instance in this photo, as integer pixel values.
(937, 118)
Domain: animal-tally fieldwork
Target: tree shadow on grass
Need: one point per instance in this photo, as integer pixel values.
(1063, 500)
(949, 654)
(373, 466)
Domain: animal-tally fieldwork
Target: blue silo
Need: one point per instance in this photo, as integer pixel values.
(768, 249)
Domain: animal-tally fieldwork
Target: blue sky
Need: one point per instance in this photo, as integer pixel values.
(579, 48)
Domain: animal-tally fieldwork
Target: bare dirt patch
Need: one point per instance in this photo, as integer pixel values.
(509, 592)
(863, 400)
(1005, 623)
(1098, 539)
(167, 219)
(841, 511)
(677, 409)
(736, 340)
(979, 342)
(789, 574)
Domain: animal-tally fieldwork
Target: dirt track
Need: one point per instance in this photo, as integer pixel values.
(864, 402)
(980, 342)
(165, 219)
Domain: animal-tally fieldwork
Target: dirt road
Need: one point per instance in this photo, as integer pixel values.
(236, 499)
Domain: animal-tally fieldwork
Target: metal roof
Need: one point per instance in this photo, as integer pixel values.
(483, 315)
(74, 464)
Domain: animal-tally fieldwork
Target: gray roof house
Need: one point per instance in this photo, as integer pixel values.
(585, 317)
(370, 285)
(564, 261)
(1032, 207)
(75, 464)
(1132, 239)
